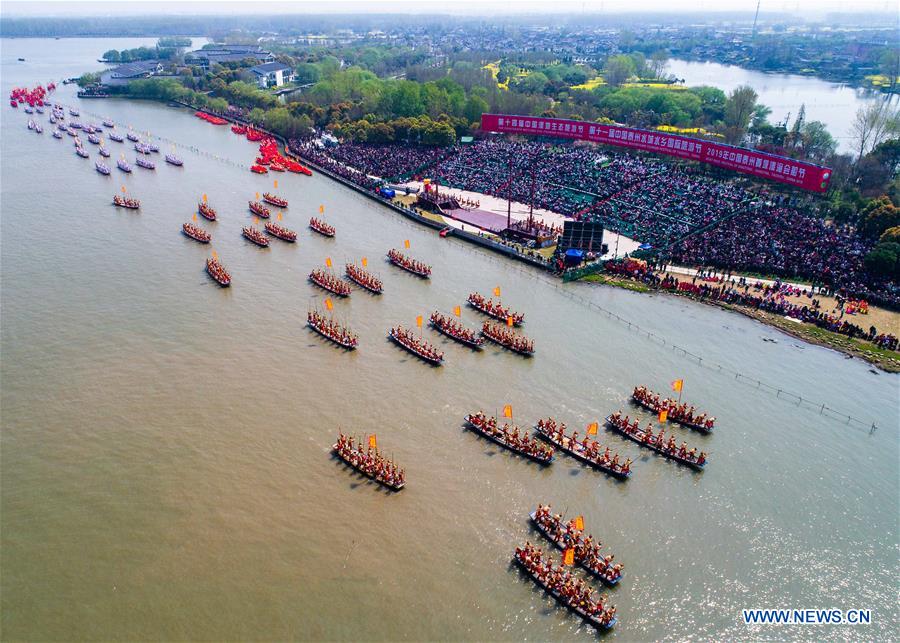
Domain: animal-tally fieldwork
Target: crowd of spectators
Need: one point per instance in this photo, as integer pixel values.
(706, 220)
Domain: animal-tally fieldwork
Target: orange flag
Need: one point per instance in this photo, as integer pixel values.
(255, 220)
(507, 411)
(123, 189)
(204, 198)
(509, 321)
(406, 243)
(677, 385)
(497, 291)
(372, 442)
(457, 311)
(215, 255)
(321, 209)
(328, 261)
(569, 557)
(592, 428)
(276, 183)
(257, 196)
(663, 416)
(328, 304)
(365, 262)
(195, 216)
(419, 321)
(579, 522)
(279, 216)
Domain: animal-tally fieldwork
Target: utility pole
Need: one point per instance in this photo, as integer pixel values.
(755, 18)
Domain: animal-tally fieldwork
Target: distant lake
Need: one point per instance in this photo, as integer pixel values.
(832, 103)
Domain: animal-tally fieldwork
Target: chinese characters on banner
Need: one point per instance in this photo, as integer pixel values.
(768, 166)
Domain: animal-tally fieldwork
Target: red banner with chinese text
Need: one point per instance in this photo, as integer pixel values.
(807, 176)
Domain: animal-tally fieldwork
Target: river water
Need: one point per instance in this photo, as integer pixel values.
(165, 443)
(834, 104)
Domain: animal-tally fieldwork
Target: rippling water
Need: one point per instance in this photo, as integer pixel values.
(165, 466)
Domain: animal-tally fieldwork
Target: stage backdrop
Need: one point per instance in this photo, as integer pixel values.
(768, 166)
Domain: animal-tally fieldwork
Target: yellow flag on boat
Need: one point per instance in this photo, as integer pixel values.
(328, 261)
(276, 183)
(204, 198)
(321, 209)
(195, 216)
(419, 321)
(579, 522)
(406, 243)
(372, 442)
(123, 189)
(457, 311)
(255, 220)
(677, 385)
(569, 556)
(279, 216)
(365, 262)
(497, 291)
(507, 411)
(215, 255)
(663, 416)
(592, 428)
(257, 196)
(328, 304)
(509, 321)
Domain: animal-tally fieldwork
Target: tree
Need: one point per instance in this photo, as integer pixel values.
(475, 107)
(816, 142)
(739, 108)
(112, 56)
(618, 69)
(659, 60)
(879, 216)
(889, 65)
(884, 260)
(874, 123)
(891, 235)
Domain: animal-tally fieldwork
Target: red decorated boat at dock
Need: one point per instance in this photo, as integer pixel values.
(282, 233)
(330, 329)
(196, 233)
(329, 282)
(455, 330)
(364, 279)
(321, 227)
(507, 338)
(497, 311)
(217, 271)
(416, 345)
(275, 200)
(409, 264)
(254, 235)
(206, 211)
(258, 169)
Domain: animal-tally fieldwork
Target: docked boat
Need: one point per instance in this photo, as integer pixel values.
(254, 235)
(217, 271)
(74, 112)
(646, 438)
(282, 233)
(588, 451)
(102, 168)
(93, 139)
(258, 169)
(238, 129)
(372, 465)
(140, 147)
(363, 278)
(586, 551)
(57, 134)
(81, 152)
(122, 164)
(507, 436)
(409, 264)
(680, 413)
(321, 227)
(76, 125)
(259, 209)
(206, 211)
(152, 147)
(131, 136)
(329, 282)
(196, 233)
(145, 163)
(276, 167)
(103, 152)
(125, 202)
(113, 136)
(332, 330)
(455, 330)
(275, 200)
(108, 123)
(497, 311)
(507, 338)
(171, 159)
(416, 346)
(533, 564)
